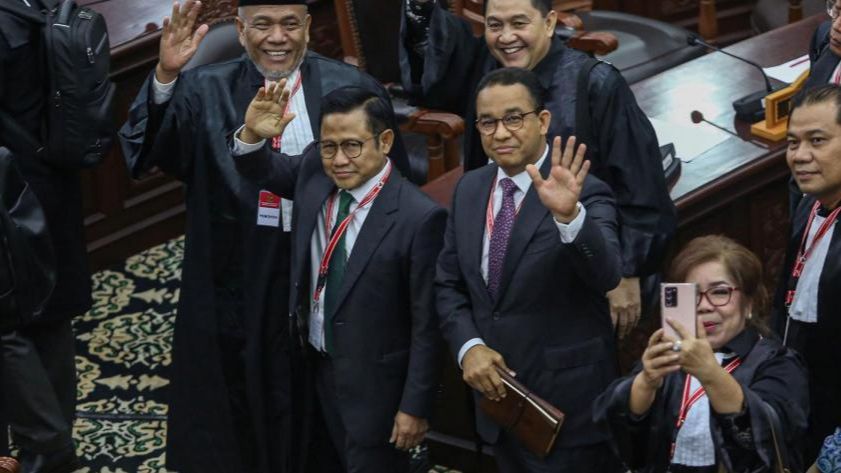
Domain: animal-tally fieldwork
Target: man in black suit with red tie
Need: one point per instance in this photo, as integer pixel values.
(363, 264)
(530, 251)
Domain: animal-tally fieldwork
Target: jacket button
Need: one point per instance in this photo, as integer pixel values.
(496, 315)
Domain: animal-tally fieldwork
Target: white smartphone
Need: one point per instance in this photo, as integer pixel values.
(677, 301)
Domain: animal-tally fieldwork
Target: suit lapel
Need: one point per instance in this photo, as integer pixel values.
(379, 221)
(309, 205)
(311, 83)
(532, 213)
(474, 233)
(824, 67)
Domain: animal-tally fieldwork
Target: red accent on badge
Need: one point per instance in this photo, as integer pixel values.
(269, 200)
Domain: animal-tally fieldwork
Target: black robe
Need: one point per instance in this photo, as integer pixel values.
(234, 281)
(624, 152)
(818, 342)
(775, 376)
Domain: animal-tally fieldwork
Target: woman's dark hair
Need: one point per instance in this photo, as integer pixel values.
(347, 99)
(739, 262)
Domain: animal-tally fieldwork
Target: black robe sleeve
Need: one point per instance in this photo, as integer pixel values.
(273, 171)
(630, 158)
(159, 134)
(450, 61)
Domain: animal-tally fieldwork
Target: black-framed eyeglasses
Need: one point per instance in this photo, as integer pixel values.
(351, 148)
(717, 296)
(511, 122)
(832, 9)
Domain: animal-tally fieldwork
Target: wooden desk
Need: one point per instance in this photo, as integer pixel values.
(738, 188)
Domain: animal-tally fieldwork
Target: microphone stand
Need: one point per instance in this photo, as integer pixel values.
(750, 108)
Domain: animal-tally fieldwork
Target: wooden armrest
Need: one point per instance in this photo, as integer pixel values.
(595, 42)
(448, 125)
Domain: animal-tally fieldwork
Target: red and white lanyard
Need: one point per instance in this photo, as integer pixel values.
(277, 140)
(324, 266)
(687, 400)
(489, 213)
(804, 253)
(836, 78)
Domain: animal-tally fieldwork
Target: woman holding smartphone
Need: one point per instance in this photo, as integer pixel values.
(722, 395)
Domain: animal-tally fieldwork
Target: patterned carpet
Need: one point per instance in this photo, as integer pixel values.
(123, 356)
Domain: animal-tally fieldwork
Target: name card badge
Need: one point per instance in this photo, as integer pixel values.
(268, 209)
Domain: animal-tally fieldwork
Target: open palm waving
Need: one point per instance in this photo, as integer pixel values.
(178, 40)
(560, 191)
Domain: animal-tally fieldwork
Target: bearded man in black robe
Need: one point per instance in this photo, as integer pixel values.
(229, 408)
(442, 62)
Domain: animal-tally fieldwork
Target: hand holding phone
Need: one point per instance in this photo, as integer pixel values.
(677, 302)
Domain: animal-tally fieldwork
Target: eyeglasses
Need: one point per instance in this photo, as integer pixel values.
(350, 148)
(717, 296)
(832, 9)
(511, 122)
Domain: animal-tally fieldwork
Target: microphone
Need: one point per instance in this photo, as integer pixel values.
(698, 117)
(750, 108)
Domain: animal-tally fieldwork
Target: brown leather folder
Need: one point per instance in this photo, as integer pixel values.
(532, 420)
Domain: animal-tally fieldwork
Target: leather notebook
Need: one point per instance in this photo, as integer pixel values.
(532, 420)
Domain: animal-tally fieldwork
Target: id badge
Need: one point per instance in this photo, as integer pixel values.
(268, 209)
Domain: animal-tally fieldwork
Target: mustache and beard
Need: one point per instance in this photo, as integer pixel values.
(273, 75)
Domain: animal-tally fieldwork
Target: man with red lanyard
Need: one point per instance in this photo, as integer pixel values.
(530, 251)
(235, 275)
(806, 306)
(363, 264)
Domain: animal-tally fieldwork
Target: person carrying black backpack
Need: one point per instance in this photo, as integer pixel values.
(39, 378)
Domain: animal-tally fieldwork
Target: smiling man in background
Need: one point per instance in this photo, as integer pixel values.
(227, 404)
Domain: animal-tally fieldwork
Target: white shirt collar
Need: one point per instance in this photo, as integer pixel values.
(522, 179)
(362, 190)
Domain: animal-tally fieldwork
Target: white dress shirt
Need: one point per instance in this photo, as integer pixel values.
(694, 444)
(296, 136)
(804, 307)
(522, 180)
(319, 242)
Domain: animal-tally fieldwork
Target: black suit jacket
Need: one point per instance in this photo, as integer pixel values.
(823, 60)
(384, 328)
(551, 321)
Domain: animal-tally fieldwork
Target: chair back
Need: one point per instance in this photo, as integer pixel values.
(370, 33)
(221, 43)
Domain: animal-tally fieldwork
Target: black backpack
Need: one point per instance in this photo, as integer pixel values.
(76, 60)
(27, 277)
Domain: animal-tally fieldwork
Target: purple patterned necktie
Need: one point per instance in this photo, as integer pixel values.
(503, 223)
